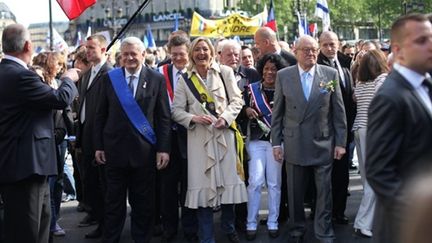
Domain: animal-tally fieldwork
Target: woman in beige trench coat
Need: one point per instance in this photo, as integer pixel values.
(212, 173)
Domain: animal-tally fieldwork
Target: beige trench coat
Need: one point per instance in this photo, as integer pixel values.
(212, 174)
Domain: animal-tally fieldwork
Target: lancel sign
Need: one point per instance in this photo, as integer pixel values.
(167, 17)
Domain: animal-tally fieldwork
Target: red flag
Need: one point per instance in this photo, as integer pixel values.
(271, 19)
(74, 8)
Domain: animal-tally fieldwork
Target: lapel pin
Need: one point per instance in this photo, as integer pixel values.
(145, 84)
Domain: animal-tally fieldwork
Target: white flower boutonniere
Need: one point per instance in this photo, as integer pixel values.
(329, 86)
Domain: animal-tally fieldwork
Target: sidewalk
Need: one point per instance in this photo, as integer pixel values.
(344, 233)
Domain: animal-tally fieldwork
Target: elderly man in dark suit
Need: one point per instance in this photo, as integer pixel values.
(399, 135)
(27, 138)
(132, 139)
(330, 56)
(309, 122)
(93, 176)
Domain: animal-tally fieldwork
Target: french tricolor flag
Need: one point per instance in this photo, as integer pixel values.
(271, 19)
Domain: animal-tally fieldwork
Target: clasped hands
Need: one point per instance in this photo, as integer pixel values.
(220, 123)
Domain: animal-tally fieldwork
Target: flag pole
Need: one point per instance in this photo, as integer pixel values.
(50, 26)
(124, 28)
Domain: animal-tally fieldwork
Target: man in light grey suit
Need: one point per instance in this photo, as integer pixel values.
(309, 120)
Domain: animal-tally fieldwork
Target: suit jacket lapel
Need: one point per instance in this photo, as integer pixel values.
(315, 92)
(405, 83)
(297, 90)
(98, 75)
(142, 84)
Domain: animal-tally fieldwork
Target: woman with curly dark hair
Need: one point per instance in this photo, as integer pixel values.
(263, 168)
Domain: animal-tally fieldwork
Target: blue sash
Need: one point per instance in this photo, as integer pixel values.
(260, 102)
(130, 106)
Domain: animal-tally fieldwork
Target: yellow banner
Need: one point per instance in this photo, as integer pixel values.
(232, 25)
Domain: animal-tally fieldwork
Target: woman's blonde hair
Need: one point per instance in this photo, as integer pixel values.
(192, 47)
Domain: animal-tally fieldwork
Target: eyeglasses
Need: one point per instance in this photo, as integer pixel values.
(308, 50)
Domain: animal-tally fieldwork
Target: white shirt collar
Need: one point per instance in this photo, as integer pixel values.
(136, 74)
(15, 59)
(414, 78)
(311, 71)
(97, 67)
(175, 70)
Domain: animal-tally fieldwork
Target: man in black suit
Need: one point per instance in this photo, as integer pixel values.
(93, 175)
(176, 171)
(399, 135)
(27, 138)
(266, 41)
(132, 139)
(330, 56)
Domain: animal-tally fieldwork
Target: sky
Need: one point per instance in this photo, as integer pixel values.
(35, 11)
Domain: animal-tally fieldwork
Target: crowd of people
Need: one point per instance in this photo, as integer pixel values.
(206, 127)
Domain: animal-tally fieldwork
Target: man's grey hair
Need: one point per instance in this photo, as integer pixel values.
(14, 37)
(133, 41)
(230, 43)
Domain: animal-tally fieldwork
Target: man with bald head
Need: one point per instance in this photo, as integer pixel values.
(266, 41)
(27, 146)
(331, 56)
(399, 133)
(309, 120)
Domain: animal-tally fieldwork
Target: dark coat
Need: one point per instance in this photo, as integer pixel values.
(347, 93)
(399, 140)
(123, 145)
(27, 145)
(90, 95)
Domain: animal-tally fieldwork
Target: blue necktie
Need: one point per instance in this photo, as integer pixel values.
(131, 86)
(305, 84)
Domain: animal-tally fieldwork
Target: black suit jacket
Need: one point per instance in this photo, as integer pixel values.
(180, 133)
(399, 140)
(123, 144)
(289, 57)
(90, 95)
(26, 122)
(347, 93)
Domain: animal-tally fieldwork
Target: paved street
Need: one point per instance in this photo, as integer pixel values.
(344, 233)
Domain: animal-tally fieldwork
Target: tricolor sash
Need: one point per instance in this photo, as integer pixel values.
(260, 102)
(202, 95)
(130, 106)
(168, 83)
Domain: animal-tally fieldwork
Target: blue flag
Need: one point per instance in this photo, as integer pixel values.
(149, 41)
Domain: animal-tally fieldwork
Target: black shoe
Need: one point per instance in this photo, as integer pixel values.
(87, 221)
(97, 233)
(240, 226)
(233, 237)
(191, 237)
(273, 233)
(251, 235)
(340, 219)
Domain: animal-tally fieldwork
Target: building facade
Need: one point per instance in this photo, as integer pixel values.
(160, 16)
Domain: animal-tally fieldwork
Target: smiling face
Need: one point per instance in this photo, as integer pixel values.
(132, 57)
(179, 56)
(202, 54)
(269, 74)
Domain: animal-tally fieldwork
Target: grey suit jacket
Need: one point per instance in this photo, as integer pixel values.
(309, 129)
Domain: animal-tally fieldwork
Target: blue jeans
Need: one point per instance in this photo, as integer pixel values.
(205, 222)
